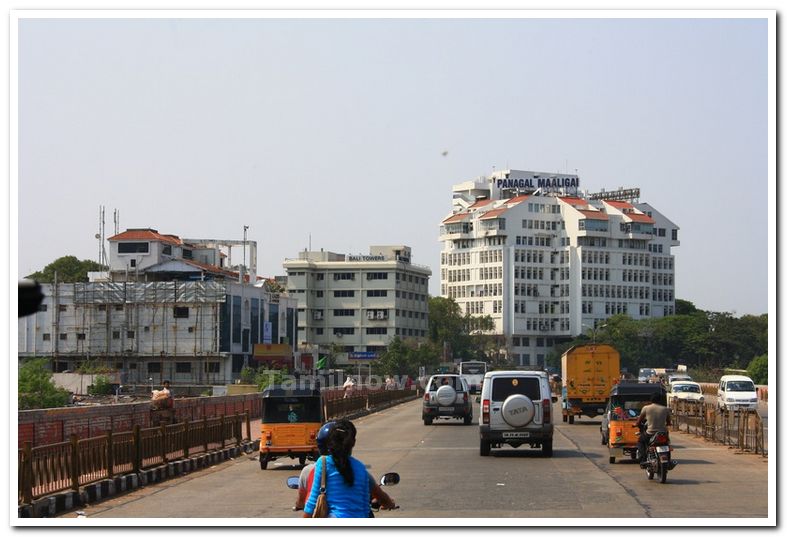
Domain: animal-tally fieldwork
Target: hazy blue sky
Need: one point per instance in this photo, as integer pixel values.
(336, 128)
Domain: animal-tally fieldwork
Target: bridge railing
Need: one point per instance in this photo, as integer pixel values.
(45, 470)
(743, 428)
(339, 407)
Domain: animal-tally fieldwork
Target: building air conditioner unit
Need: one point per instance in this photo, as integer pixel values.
(370, 314)
(381, 315)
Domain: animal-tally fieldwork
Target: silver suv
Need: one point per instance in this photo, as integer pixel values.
(516, 409)
(447, 396)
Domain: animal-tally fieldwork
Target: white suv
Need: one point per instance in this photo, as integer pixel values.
(516, 409)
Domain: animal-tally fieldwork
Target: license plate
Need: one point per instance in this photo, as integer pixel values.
(446, 409)
(662, 449)
(516, 435)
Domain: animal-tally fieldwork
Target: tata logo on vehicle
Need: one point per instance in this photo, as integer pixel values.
(515, 411)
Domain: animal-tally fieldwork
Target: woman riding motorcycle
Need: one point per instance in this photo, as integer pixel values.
(349, 487)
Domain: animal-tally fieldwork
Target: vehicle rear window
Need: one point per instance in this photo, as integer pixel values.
(503, 387)
(454, 382)
(291, 410)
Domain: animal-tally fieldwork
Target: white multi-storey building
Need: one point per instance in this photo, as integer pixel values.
(548, 262)
(359, 302)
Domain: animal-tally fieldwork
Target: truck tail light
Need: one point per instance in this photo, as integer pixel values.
(546, 404)
(465, 397)
(426, 397)
(485, 411)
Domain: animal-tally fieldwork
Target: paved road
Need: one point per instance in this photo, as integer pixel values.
(444, 476)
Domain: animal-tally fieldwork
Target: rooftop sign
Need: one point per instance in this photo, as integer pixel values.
(365, 258)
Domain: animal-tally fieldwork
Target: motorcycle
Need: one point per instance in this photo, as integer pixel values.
(658, 458)
(389, 479)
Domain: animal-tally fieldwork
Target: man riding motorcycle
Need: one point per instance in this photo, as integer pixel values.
(306, 478)
(657, 418)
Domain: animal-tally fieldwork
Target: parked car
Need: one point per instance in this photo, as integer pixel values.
(516, 409)
(736, 392)
(447, 396)
(685, 390)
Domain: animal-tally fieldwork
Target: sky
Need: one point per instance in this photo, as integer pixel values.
(346, 133)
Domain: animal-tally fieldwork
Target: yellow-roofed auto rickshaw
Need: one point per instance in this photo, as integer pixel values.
(290, 421)
(618, 425)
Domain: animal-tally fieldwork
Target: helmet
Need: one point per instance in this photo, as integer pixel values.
(322, 436)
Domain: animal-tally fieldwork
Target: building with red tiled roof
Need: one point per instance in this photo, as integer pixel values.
(546, 261)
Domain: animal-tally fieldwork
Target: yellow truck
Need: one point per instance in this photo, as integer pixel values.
(589, 372)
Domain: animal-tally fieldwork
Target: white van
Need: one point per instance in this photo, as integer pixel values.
(736, 392)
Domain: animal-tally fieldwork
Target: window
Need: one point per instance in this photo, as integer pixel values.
(154, 367)
(320, 276)
(377, 331)
(180, 312)
(343, 276)
(503, 387)
(115, 335)
(46, 337)
(212, 367)
(81, 337)
(188, 254)
(118, 307)
(674, 234)
(344, 313)
(319, 294)
(63, 337)
(182, 367)
(343, 294)
(377, 276)
(130, 334)
(167, 250)
(102, 307)
(42, 307)
(318, 331)
(376, 292)
(344, 331)
(133, 247)
(133, 262)
(62, 307)
(147, 329)
(191, 329)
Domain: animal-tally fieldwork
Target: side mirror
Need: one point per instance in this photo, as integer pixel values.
(478, 399)
(391, 478)
(292, 482)
(554, 398)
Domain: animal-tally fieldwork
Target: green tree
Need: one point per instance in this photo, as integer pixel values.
(758, 369)
(69, 269)
(684, 307)
(461, 336)
(100, 386)
(36, 388)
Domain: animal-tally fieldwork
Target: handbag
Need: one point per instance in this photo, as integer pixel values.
(321, 508)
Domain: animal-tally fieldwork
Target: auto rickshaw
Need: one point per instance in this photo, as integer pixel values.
(290, 421)
(618, 426)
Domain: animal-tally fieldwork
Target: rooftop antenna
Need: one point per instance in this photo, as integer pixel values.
(310, 242)
(117, 221)
(100, 236)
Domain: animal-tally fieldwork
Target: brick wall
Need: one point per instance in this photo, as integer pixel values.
(54, 425)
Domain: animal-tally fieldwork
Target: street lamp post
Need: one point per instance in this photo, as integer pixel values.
(594, 330)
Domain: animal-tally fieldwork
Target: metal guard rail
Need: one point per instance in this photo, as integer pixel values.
(743, 429)
(53, 468)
